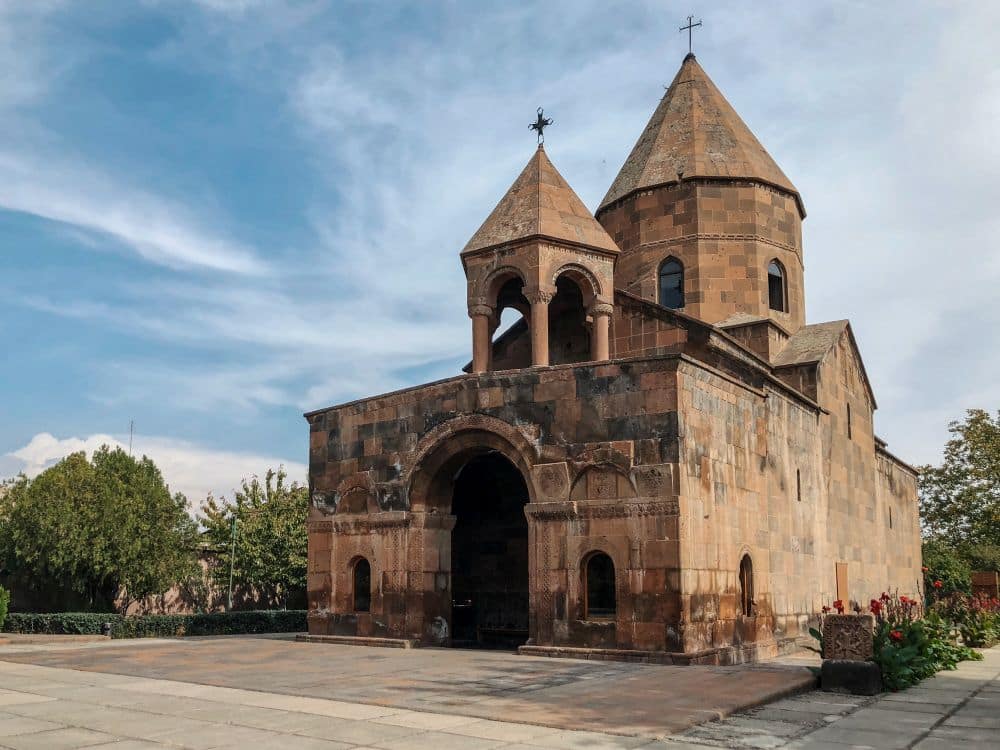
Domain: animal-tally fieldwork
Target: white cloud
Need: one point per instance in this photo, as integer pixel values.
(192, 469)
(419, 131)
(153, 227)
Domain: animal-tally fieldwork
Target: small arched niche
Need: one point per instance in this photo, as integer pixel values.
(598, 586)
(746, 586)
(361, 575)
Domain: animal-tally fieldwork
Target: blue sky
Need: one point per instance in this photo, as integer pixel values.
(217, 214)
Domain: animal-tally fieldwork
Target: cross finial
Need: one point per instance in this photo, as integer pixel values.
(690, 25)
(540, 124)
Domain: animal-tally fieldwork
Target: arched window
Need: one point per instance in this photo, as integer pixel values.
(746, 586)
(672, 284)
(776, 292)
(599, 587)
(362, 585)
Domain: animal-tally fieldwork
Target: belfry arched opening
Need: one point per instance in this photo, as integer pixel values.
(489, 554)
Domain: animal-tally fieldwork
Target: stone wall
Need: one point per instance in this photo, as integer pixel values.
(675, 464)
(724, 234)
(769, 476)
(597, 445)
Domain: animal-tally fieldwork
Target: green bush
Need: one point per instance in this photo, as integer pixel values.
(4, 602)
(160, 626)
(976, 617)
(911, 645)
(983, 556)
(61, 623)
(945, 570)
(901, 651)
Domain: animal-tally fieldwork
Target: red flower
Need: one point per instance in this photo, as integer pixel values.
(825, 609)
(925, 568)
(885, 597)
(904, 600)
(839, 606)
(938, 584)
(896, 635)
(875, 606)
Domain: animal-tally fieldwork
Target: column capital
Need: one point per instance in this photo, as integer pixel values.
(601, 308)
(539, 294)
(479, 309)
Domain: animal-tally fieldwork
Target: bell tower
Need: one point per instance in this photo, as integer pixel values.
(706, 220)
(542, 253)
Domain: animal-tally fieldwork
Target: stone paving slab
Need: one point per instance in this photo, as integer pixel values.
(944, 711)
(357, 682)
(91, 715)
(59, 707)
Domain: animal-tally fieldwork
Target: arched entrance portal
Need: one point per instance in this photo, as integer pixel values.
(489, 555)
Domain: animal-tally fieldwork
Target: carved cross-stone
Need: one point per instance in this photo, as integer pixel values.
(848, 637)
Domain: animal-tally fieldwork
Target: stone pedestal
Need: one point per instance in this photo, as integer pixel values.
(854, 677)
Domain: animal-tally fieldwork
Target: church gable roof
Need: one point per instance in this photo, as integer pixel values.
(695, 132)
(541, 203)
(812, 343)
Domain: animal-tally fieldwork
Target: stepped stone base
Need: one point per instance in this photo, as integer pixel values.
(750, 652)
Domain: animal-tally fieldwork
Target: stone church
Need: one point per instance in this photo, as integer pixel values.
(660, 461)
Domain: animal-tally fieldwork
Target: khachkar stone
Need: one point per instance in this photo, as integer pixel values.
(849, 637)
(848, 646)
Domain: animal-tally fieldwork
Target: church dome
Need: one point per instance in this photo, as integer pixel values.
(695, 133)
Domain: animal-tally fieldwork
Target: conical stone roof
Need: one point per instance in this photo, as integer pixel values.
(541, 203)
(697, 133)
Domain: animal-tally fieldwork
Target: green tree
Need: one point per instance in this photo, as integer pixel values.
(943, 563)
(270, 548)
(960, 499)
(107, 529)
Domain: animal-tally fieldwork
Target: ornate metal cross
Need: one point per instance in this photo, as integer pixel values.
(688, 28)
(540, 124)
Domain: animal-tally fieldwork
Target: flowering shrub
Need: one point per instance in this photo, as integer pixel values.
(910, 644)
(976, 617)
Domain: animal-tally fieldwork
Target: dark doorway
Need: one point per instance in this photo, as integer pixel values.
(489, 555)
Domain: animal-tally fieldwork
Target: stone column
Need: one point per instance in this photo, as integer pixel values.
(481, 315)
(600, 312)
(539, 300)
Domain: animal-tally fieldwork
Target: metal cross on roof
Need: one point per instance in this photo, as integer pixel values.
(540, 124)
(689, 28)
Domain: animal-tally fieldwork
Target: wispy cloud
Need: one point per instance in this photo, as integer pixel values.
(413, 119)
(158, 230)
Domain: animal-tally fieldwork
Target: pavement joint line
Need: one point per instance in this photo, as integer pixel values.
(955, 709)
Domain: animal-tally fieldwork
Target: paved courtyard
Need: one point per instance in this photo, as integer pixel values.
(274, 693)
